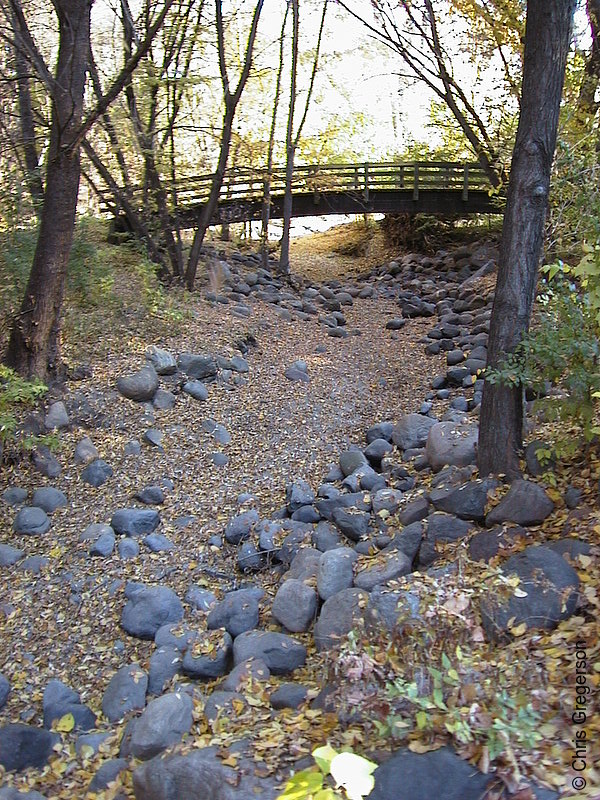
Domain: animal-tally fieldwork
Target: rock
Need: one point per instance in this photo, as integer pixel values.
(208, 655)
(390, 609)
(57, 417)
(164, 400)
(49, 499)
(485, 545)
(31, 521)
(125, 692)
(153, 437)
(304, 565)
(164, 664)
(104, 545)
(236, 612)
(572, 497)
(436, 774)
(387, 500)
(354, 524)
(376, 450)
(240, 526)
(549, 589)
(151, 496)
(128, 548)
(200, 599)
(335, 571)
(298, 494)
(45, 462)
(14, 496)
(446, 528)
(281, 653)
(135, 521)
(222, 704)
(4, 690)
(381, 430)
(59, 700)
(326, 537)
(91, 740)
(196, 389)
(525, 503)
(9, 555)
(250, 558)
(174, 634)
(23, 746)
(107, 773)
(222, 436)
(408, 541)
(139, 386)
(149, 608)
(163, 722)
(351, 460)
(295, 606)
(339, 615)
(96, 473)
(288, 695)
(93, 531)
(414, 511)
(85, 452)
(393, 566)
(539, 458)
(199, 367)
(244, 674)
(298, 371)
(163, 362)
(451, 443)
(412, 431)
(467, 501)
(10, 793)
(158, 543)
(395, 324)
(34, 564)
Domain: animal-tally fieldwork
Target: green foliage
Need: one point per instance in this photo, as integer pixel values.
(351, 773)
(14, 392)
(562, 349)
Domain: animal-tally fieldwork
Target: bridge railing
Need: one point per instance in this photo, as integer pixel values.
(249, 184)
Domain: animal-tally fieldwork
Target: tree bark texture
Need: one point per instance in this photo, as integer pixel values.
(547, 40)
(34, 340)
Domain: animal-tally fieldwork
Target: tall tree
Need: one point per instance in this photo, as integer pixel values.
(34, 344)
(231, 100)
(547, 39)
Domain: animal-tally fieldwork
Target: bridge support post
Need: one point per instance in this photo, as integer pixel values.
(465, 191)
(416, 182)
(366, 188)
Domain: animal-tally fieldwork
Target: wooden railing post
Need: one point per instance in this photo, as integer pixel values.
(416, 181)
(366, 189)
(465, 191)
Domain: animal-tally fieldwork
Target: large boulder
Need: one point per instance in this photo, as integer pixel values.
(31, 521)
(451, 443)
(135, 521)
(281, 653)
(140, 385)
(525, 503)
(236, 612)
(339, 615)
(546, 594)
(412, 431)
(23, 746)
(200, 367)
(148, 608)
(295, 605)
(467, 501)
(125, 692)
(163, 722)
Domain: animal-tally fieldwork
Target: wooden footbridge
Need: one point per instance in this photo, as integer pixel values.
(438, 188)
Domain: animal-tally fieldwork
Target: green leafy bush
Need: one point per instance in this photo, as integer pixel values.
(14, 392)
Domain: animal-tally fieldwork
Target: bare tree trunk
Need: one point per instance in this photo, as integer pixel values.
(547, 39)
(34, 341)
(231, 102)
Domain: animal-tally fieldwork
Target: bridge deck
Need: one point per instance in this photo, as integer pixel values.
(436, 188)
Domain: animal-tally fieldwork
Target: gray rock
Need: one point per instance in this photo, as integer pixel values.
(239, 527)
(174, 634)
(525, 503)
(96, 473)
(57, 417)
(451, 443)
(326, 537)
(4, 690)
(299, 494)
(208, 655)
(446, 528)
(412, 431)
(239, 364)
(377, 450)
(31, 521)
(163, 362)
(351, 460)
(85, 451)
(128, 548)
(438, 773)
(34, 564)
(107, 773)
(304, 565)
(9, 555)
(200, 599)
(381, 430)
(339, 615)
(135, 521)
(467, 501)
(164, 664)
(539, 457)
(335, 571)
(354, 524)
(288, 695)
(250, 558)
(153, 437)
(295, 606)
(23, 746)
(389, 609)
(200, 367)
(45, 462)
(414, 511)
(59, 700)
(148, 609)
(196, 389)
(393, 567)
(104, 545)
(387, 500)
(158, 543)
(236, 612)
(221, 434)
(242, 675)
(296, 373)
(93, 531)
(549, 586)
(221, 704)
(164, 400)
(281, 653)
(10, 793)
(163, 722)
(151, 496)
(125, 692)
(139, 386)
(93, 740)
(14, 496)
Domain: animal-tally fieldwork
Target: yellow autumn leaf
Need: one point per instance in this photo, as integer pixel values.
(65, 724)
(519, 630)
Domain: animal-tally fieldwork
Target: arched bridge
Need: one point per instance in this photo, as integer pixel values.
(440, 188)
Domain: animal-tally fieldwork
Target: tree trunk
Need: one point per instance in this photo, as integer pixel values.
(547, 39)
(290, 148)
(33, 348)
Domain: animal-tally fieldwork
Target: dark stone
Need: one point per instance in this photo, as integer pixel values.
(240, 526)
(339, 615)
(151, 496)
(31, 521)
(408, 541)
(281, 653)
(4, 690)
(163, 722)
(354, 524)
(125, 692)
(236, 612)
(467, 501)
(199, 367)
(295, 605)
(376, 450)
(196, 389)
(135, 521)
(393, 567)
(49, 498)
(335, 571)
(288, 695)
(414, 511)
(525, 503)
(23, 746)
(351, 460)
(485, 545)
(164, 664)
(412, 431)
(139, 386)
(208, 655)
(107, 773)
(299, 494)
(148, 608)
